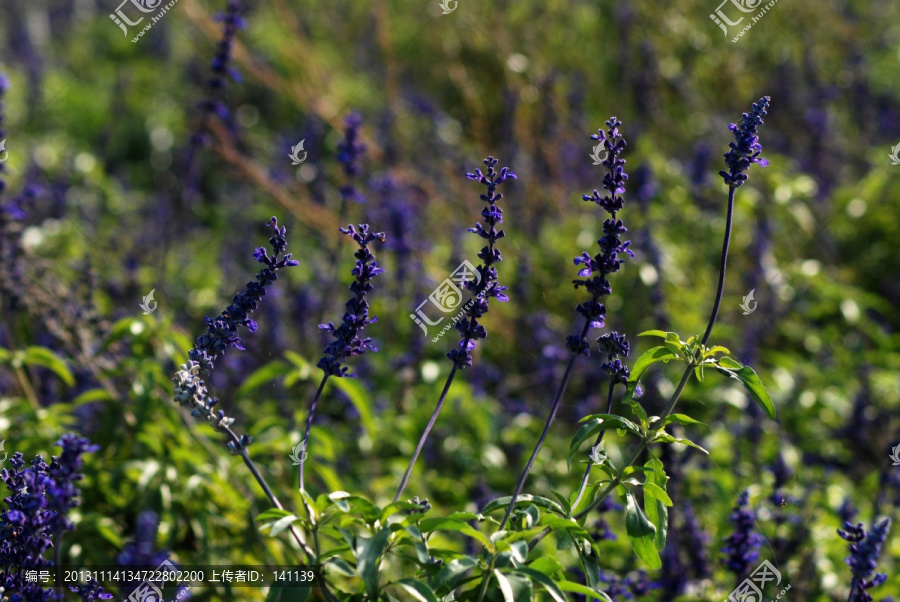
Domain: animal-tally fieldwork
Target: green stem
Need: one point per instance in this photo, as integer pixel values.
(309, 420)
(434, 415)
(587, 471)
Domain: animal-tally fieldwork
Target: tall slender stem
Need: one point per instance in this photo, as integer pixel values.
(537, 448)
(309, 419)
(587, 470)
(721, 288)
(434, 415)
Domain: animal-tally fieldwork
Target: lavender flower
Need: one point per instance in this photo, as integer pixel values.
(90, 591)
(865, 550)
(469, 328)
(41, 496)
(190, 389)
(597, 268)
(347, 342)
(350, 150)
(746, 147)
(742, 546)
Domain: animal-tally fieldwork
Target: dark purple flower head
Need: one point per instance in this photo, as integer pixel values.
(596, 269)
(487, 286)
(90, 591)
(865, 549)
(222, 330)
(189, 387)
(349, 151)
(347, 342)
(746, 148)
(40, 498)
(742, 546)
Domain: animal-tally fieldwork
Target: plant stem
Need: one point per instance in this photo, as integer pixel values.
(721, 288)
(309, 419)
(537, 448)
(425, 434)
(587, 471)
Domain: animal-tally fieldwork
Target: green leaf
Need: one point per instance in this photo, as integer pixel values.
(548, 565)
(281, 524)
(418, 543)
(655, 333)
(595, 424)
(577, 588)
(751, 382)
(656, 499)
(272, 513)
(681, 419)
(430, 525)
(544, 581)
(665, 437)
(514, 588)
(341, 566)
(562, 500)
(655, 491)
(368, 552)
(698, 372)
(641, 532)
(525, 498)
(92, 396)
(418, 590)
(729, 363)
(452, 571)
(41, 356)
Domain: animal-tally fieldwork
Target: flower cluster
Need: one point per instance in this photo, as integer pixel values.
(865, 550)
(607, 261)
(40, 498)
(221, 63)
(742, 546)
(90, 591)
(614, 345)
(347, 342)
(189, 388)
(746, 147)
(485, 286)
(350, 149)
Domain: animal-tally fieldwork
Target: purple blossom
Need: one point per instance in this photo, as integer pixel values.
(347, 342)
(90, 591)
(742, 546)
(189, 387)
(865, 549)
(40, 498)
(597, 268)
(746, 148)
(468, 326)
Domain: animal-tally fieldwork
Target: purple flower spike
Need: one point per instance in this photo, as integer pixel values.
(742, 546)
(468, 326)
(865, 549)
(593, 276)
(347, 342)
(746, 147)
